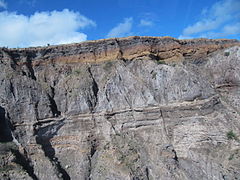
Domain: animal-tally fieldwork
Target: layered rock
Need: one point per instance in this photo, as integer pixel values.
(130, 108)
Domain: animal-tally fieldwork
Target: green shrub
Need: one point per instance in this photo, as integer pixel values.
(231, 135)
(226, 53)
(231, 157)
(77, 71)
(161, 62)
(108, 65)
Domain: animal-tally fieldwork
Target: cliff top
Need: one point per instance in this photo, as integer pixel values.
(129, 38)
(167, 48)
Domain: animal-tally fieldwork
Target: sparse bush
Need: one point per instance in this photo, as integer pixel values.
(154, 75)
(231, 135)
(77, 71)
(7, 146)
(226, 53)
(231, 157)
(6, 168)
(161, 62)
(108, 65)
(234, 155)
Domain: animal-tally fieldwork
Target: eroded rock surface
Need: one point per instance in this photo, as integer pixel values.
(131, 108)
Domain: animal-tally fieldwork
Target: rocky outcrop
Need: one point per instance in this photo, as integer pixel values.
(129, 108)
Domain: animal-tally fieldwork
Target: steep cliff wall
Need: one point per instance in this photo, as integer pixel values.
(129, 108)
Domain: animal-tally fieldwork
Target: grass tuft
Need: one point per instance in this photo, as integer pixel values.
(231, 135)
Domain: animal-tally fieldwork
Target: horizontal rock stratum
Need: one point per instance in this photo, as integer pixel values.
(124, 48)
(124, 108)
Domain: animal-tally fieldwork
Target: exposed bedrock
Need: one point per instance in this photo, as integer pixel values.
(129, 108)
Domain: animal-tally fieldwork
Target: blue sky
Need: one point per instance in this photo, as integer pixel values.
(26, 23)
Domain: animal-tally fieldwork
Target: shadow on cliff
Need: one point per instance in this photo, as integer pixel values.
(5, 131)
(44, 135)
(8, 145)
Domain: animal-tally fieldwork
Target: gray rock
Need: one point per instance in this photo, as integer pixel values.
(130, 108)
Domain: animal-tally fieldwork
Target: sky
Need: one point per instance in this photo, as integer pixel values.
(25, 23)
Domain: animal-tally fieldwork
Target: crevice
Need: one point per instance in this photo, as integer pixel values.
(53, 105)
(108, 117)
(120, 53)
(135, 178)
(90, 168)
(155, 57)
(107, 97)
(36, 110)
(106, 94)
(93, 145)
(30, 68)
(94, 85)
(164, 125)
(112, 113)
(147, 173)
(24, 163)
(175, 155)
(12, 89)
(94, 121)
(226, 85)
(143, 125)
(93, 148)
(43, 139)
(92, 101)
(172, 162)
(41, 122)
(24, 73)
(90, 105)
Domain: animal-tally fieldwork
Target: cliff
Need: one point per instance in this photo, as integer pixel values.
(127, 108)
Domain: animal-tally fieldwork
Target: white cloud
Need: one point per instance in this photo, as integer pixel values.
(232, 29)
(202, 26)
(41, 28)
(227, 30)
(215, 21)
(122, 29)
(185, 37)
(144, 22)
(3, 4)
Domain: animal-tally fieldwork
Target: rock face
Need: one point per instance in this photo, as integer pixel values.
(132, 108)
